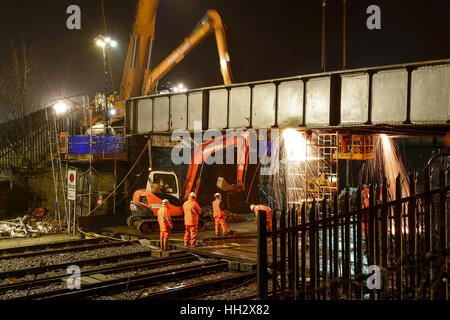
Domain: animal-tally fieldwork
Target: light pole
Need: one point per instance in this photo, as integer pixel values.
(105, 42)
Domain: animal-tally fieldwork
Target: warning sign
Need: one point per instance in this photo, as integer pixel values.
(71, 185)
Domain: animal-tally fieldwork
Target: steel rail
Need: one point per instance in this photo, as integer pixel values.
(187, 291)
(48, 246)
(142, 264)
(117, 285)
(80, 263)
(70, 249)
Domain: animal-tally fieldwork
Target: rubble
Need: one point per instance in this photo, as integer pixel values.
(16, 229)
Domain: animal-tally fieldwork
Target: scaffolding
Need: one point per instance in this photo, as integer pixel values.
(313, 176)
(79, 148)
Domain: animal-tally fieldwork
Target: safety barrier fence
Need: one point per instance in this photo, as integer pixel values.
(340, 249)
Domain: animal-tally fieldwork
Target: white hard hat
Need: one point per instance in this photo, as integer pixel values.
(252, 206)
(165, 201)
(217, 195)
(192, 194)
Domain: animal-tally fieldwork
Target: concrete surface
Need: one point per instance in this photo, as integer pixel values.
(23, 242)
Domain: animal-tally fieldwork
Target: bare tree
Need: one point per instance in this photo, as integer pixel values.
(21, 82)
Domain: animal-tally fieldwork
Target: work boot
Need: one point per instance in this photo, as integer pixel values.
(166, 244)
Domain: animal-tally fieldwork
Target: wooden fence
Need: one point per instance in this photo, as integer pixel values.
(331, 250)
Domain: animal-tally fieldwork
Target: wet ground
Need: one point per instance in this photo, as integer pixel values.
(43, 239)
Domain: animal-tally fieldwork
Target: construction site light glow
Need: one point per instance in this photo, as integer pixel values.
(60, 108)
(179, 89)
(100, 43)
(295, 145)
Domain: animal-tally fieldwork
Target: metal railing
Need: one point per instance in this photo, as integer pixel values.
(339, 250)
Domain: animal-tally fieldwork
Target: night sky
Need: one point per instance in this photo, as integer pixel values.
(266, 39)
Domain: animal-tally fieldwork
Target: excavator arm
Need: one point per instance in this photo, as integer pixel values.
(212, 146)
(211, 22)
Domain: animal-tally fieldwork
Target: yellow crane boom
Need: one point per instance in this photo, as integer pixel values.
(212, 22)
(138, 78)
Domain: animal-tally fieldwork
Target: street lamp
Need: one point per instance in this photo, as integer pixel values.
(105, 42)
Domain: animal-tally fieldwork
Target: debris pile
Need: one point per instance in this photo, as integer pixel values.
(17, 229)
(14, 229)
(46, 227)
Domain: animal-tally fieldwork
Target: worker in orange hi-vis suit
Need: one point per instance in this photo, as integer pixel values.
(257, 208)
(165, 224)
(191, 212)
(219, 215)
(365, 194)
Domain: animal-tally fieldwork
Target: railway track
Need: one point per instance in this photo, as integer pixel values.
(149, 263)
(201, 289)
(111, 277)
(47, 246)
(18, 273)
(64, 249)
(113, 286)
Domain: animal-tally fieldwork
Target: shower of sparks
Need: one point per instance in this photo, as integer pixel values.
(301, 176)
(388, 163)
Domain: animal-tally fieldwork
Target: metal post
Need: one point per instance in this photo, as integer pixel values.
(335, 246)
(68, 218)
(371, 241)
(398, 238)
(412, 231)
(115, 185)
(274, 255)
(303, 250)
(324, 247)
(384, 238)
(283, 252)
(344, 36)
(324, 4)
(74, 216)
(443, 284)
(346, 270)
(290, 252)
(358, 249)
(295, 253)
(90, 160)
(262, 256)
(313, 251)
(105, 67)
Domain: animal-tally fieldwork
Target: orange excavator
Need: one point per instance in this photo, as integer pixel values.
(138, 78)
(165, 185)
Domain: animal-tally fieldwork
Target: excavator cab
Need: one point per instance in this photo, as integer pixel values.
(146, 203)
(164, 182)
